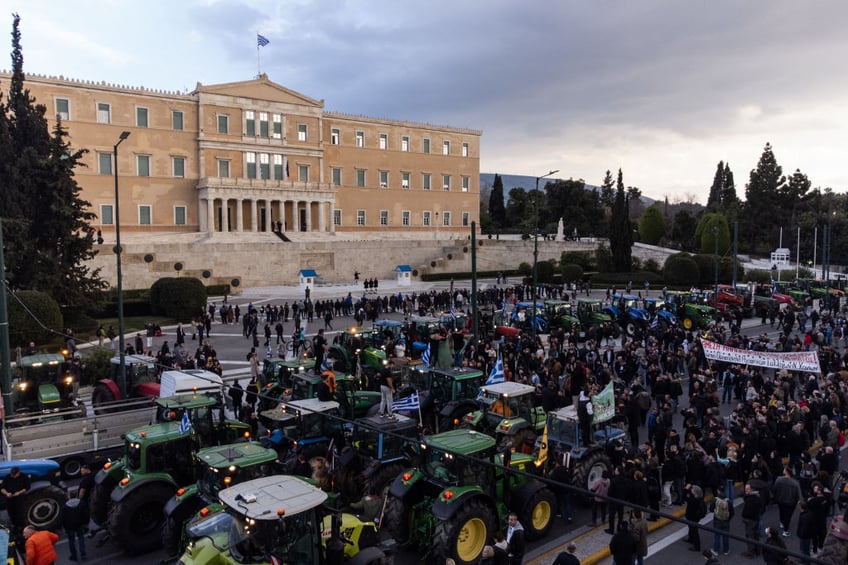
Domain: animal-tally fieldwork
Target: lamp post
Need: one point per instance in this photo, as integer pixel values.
(122, 383)
(536, 250)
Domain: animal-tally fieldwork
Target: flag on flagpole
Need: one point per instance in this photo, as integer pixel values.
(425, 357)
(452, 313)
(503, 308)
(497, 375)
(261, 40)
(603, 405)
(407, 404)
(543, 449)
(287, 168)
(655, 324)
(185, 423)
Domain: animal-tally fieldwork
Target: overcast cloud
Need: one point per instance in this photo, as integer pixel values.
(663, 89)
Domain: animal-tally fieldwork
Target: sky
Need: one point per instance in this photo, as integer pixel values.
(663, 89)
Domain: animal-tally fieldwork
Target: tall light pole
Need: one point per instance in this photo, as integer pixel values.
(536, 250)
(122, 383)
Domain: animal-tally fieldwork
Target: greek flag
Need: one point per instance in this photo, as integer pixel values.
(185, 424)
(497, 374)
(452, 313)
(655, 324)
(503, 308)
(425, 357)
(261, 40)
(407, 404)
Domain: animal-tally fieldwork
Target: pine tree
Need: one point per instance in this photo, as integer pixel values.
(497, 209)
(714, 200)
(761, 212)
(621, 231)
(608, 190)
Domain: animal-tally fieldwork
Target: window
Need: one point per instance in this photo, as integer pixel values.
(177, 120)
(384, 141)
(446, 182)
(337, 176)
(337, 217)
(466, 219)
(223, 168)
(250, 160)
(179, 215)
(360, 177)
(360, 217)
(179, 167)
(104, 113)
(427, 145)
(143, 165)
(466, 184)
(425, 181)
(446, 148)
(104, 163)
(263, 124)
(144, 214)
(278, 126)
(404, 143)
(404, 217)
(223, 124)
(384, 179)
(301, 132)
(278, 167)
(465, 150)
(63, 108)
(384, 217)
(335, 136)
(426, 218)
(404, 180)
(106, 216)
(360, 139)
(446, 218)
(264, 166)
(303, 173)
(249, 122)
(141, 117)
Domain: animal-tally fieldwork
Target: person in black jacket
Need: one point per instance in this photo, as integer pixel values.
(622, 546)
(773, 554)
(806, 529)
(751, 510)
(617, 489)
(695, 510)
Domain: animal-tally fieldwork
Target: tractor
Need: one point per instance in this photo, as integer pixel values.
(216, 468)
(129, 493)
(44, 384)
(281, 520)
(560, 314)
(445, 395)
(626, 311)
(141, 382)
(450, 506)
(507, 413)
(356, 348)
(381, 449)
(691, 314)
(45, 497)
(308, 427)
(662, 318)
(594, 322)
(529, 315)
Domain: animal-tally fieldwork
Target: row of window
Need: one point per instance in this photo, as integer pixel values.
(383, 142)
(405, 178)
(145, 215)
(104, 114)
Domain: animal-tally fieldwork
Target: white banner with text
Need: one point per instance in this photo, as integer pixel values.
(806, 361)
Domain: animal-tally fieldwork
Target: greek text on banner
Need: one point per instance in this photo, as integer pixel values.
(806, 361)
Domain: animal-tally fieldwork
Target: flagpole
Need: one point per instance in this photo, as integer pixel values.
(258, 64)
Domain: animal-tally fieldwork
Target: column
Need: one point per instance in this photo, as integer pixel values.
(294, 224)
(321, 221)
(332, 217)
(267, 215)
(253, 221)
(239, 215)
(308, 205)
(210, 215)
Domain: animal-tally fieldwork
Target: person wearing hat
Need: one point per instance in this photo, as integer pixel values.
(568, 556)
(387, 390)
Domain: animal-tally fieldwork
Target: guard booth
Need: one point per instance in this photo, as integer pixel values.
(404, 275)
(307, 279)
(781, 257)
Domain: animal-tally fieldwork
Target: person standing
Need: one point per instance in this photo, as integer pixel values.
(806, 528)
(787, 494)
(74, 520)
(722, 509)
(562, 474)
(600, 486)
(695, 510)
(319, 348)
(639, 529)
(751, 509)
(622, 546)
(387, 390)
(568, 556)
(773, 553)
(39, 546)
(584, 415)
(515, 539)
(14, 487)
(617, 490)
(236, 394)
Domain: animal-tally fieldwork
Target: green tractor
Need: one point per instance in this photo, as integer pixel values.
(282, 520)
(381, 449)
(560, 314)
(594, 322)
(358, 347)
(216, 468)
(507, 413)
(445, 395)
(129, 493)
(689, 312)
(43, 384)
(451, 505)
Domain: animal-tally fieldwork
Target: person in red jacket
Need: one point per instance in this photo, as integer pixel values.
(39, 546)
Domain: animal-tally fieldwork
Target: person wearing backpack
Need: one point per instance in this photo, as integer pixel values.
(722, 509)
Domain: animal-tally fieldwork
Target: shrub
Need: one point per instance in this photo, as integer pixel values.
(583, 259)
(32, 316)
(706, 268)
(525, 269)
(97, 364)
(180, 298)
(544, 271)
(603, 256)
(651, 265)
(681, 269)
(571, 272)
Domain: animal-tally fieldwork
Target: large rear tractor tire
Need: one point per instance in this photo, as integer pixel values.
(465, 534)
(382, 479)
(537, 516)
(588, 469)
(102, 394)
(396, 519)
(630, 328)
(136, 521)
(101, 499)
(43, 508)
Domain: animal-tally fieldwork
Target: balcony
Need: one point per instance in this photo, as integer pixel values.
(269, 186)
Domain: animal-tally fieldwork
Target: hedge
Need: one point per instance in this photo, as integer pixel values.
(181, 298)
(25, 326)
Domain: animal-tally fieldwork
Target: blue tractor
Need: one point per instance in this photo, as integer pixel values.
(626, 311)
(660, 313)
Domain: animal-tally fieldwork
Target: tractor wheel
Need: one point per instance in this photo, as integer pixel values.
(396, 520)
(630, 328)
(71, 467)
(102, 394)
(464, 535)
(538, 514)
(172, 533)
(43, 508)
(688, 323)
(136, 522)
(588, 469)
(101, 499)
(383, 479)
(616, 330)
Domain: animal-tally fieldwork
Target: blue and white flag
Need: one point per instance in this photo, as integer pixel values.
(407, 404)
(655, 324)
(452, 313)
(185, 423)
(261, 40)
(497, 374)
(425, 357)
(503, 308)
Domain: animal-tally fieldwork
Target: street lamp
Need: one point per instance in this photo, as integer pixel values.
(536, 249)
(122, 382)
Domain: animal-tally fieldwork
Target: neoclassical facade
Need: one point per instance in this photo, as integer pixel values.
(254, 156)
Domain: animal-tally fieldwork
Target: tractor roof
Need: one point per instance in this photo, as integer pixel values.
(133, 360)
(236, 454)
(396, 424)
(154, 433)
(458, 374)
(509, 389)
(310, 378)
(190, 400)
(41, 359)
(567, 413)
(461, 441)
(269, 498)
(588, 301)
(388, 323)
(308, 405)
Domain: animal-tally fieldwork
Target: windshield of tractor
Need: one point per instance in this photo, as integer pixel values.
(564, 431)
(172, 457)
(211, 480)
(291, 540)
(559, 309)
(369, 440)
(449, 469)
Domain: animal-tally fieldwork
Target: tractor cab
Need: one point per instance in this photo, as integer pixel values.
(507, 412)
(280, 372)
(43, 383)
(305, 426)
(561, 314)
